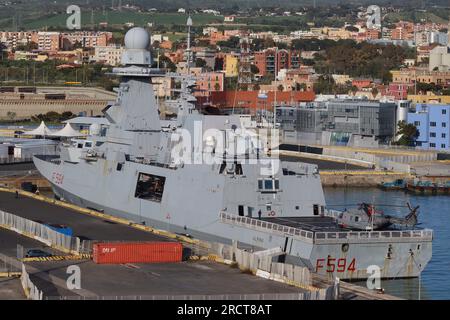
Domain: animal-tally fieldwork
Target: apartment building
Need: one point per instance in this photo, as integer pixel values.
(433, 123)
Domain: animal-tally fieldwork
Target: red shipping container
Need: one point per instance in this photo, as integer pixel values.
(137, 252)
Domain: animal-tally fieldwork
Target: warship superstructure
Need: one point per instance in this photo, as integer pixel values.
(188, 176)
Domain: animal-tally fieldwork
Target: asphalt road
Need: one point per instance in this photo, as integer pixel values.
(11, 289)
(9, 241)
(84, 226)
(172, 279)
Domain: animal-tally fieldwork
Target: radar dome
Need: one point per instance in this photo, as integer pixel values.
(137, 38)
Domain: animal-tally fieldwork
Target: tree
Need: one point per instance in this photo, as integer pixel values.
(408, 133)
(200, 63)
(11, 115)
(254, 69)
(374, 92)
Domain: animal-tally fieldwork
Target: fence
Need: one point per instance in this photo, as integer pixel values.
(40, 232)
(11, 267)
(8, 267)
(31, 291)
(7, 160)
(256, 296)
(263, 266)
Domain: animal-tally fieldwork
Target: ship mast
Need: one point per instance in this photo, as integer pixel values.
(188, 49)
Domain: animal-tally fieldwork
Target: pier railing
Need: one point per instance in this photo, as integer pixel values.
(329, 237)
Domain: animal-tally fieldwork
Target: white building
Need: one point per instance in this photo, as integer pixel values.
(158, 37)
(109, 55)
(440, 58)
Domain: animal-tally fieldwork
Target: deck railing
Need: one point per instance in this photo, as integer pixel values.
(266, 226)
(329, 237)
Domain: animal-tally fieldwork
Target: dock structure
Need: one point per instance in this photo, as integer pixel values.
(211, 279)
(42, 100)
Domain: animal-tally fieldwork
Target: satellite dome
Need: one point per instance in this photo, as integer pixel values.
(137, 38)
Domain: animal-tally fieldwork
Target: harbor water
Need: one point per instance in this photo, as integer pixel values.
(434, 213)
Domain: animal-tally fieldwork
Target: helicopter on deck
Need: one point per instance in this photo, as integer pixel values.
(367, 218)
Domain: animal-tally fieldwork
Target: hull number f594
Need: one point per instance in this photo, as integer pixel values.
(335, 265)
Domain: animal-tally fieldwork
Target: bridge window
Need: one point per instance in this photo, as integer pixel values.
(268, 185)
(150, 187)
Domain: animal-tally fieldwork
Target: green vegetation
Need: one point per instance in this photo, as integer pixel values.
(435, 15)
(115, 20)
(359, 59)
(51, 117)
(39, 73)
(325, 85)
(408, 133)
(425, 87)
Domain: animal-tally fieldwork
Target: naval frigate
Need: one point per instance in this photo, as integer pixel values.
(156, 172)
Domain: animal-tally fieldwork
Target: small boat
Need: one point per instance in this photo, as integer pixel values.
(443, 188)
(398, 184)
(422, 187)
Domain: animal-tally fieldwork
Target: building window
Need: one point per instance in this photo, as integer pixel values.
(150, 187)
(432, 145)
(444, 111)
(432, 134)
(443, 135)
(417, 123)
(443, 146)
(444, 124)
(433, 124)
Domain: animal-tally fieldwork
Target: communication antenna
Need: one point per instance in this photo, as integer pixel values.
(188, 49)
(120, 5)
(92, 17)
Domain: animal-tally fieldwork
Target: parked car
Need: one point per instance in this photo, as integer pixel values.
(37, 253)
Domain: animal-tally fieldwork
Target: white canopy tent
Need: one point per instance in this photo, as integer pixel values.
(67, 132)
(42, 130)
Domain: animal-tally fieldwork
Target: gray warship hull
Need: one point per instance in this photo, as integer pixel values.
(323, 249)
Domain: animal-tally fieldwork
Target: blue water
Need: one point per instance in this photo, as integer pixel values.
(434, 213)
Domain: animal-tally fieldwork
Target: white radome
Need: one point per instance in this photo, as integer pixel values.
(137, 38)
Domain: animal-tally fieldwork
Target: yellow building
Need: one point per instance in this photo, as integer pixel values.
(231, 65)
(25, 55)
(424, 76)
(428, 98)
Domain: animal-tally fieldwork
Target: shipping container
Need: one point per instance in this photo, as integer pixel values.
(55, 96)
(27, 89)
(7, 89)
(137, 252)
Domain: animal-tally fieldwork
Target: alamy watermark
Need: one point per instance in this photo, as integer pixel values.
(73, 22)
(74, 280)
(373, 17)
(374, 279)
(214, 146)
